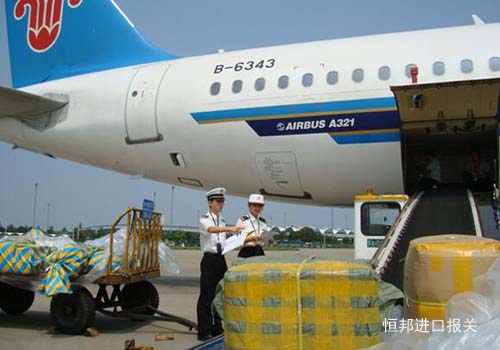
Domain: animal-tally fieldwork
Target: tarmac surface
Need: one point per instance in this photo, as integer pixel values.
(178, 296)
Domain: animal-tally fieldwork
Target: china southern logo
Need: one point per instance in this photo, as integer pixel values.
(44, 22)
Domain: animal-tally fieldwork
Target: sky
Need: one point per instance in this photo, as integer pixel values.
(81, 194)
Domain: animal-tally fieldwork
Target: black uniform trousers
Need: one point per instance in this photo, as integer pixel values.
(213, 267)
(249, 251)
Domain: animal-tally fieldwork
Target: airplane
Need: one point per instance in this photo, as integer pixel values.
(311, 123)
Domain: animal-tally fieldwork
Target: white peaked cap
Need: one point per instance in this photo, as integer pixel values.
(256, 199)
(216, 193)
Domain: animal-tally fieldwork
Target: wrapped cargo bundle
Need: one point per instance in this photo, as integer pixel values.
(56, 266)
(301, 305)
(22, 257)
(438, 267)
(55, 262)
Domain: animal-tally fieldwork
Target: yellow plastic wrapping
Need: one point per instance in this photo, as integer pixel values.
(339, 308)
(438, 267)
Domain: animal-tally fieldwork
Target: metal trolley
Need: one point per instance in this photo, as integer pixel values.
(125, 291)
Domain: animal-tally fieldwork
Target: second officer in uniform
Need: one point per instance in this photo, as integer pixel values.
(256, 223)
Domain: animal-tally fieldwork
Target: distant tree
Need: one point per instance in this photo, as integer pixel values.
(191, 239)
(305, 234)
(347, 241)
(101, 233)
(22, 229)
(282, 236)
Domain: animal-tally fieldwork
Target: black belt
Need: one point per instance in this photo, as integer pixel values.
(212, 254)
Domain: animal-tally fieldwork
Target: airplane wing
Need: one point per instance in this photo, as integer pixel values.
(23, 105)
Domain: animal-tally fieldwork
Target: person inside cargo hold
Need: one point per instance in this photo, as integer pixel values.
(429, 172)
(213, 266)
(479, 174)
(253, 221)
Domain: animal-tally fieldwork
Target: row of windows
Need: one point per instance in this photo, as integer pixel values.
(358, 75)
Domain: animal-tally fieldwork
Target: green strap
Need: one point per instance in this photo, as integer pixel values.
(299, 302)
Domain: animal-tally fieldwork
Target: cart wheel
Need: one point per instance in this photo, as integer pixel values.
(15, 301)
(140, 294)
(73, 313)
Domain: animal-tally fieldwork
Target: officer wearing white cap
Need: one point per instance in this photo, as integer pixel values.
(213, 264)
(256, 223)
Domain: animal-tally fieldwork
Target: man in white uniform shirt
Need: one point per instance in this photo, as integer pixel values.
(253, 221)
(213, 264)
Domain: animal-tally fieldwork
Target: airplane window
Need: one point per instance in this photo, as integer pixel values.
(307, 79)
(467, 66)
(358, 75)
(408, 69)
(332, 78)
(283, 82)
(215, 89)
(495, 64)
(438, 68)
(260, 84)
(384, 73)
(237, 86)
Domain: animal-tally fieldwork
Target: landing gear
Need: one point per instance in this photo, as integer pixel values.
(73, 313)
(15, 301)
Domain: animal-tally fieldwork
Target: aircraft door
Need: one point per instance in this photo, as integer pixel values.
(141, 106)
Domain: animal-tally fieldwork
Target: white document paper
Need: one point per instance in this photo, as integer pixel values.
(236, 241)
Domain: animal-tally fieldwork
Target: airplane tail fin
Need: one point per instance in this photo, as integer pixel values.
(55, 39)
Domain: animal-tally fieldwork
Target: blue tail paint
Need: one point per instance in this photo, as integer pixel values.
(54, 39)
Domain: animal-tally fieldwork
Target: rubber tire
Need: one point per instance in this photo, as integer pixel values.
(139, 294)
(73, 313)
(15, 301)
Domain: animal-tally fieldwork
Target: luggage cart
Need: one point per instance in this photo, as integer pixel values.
(126, 292)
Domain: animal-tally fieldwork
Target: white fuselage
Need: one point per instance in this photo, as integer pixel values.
(220, 149)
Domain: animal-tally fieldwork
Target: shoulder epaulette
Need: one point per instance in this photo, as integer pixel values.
(205, 216)
(263, 220)
(245, 218)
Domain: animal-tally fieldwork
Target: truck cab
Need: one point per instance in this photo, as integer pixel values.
(373, 217)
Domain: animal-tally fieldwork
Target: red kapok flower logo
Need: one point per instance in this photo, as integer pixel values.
(45, 20)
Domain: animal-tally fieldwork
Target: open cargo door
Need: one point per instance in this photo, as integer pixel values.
(452, 119)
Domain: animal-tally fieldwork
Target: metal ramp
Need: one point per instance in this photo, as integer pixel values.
(216, 343)
(429, 213)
